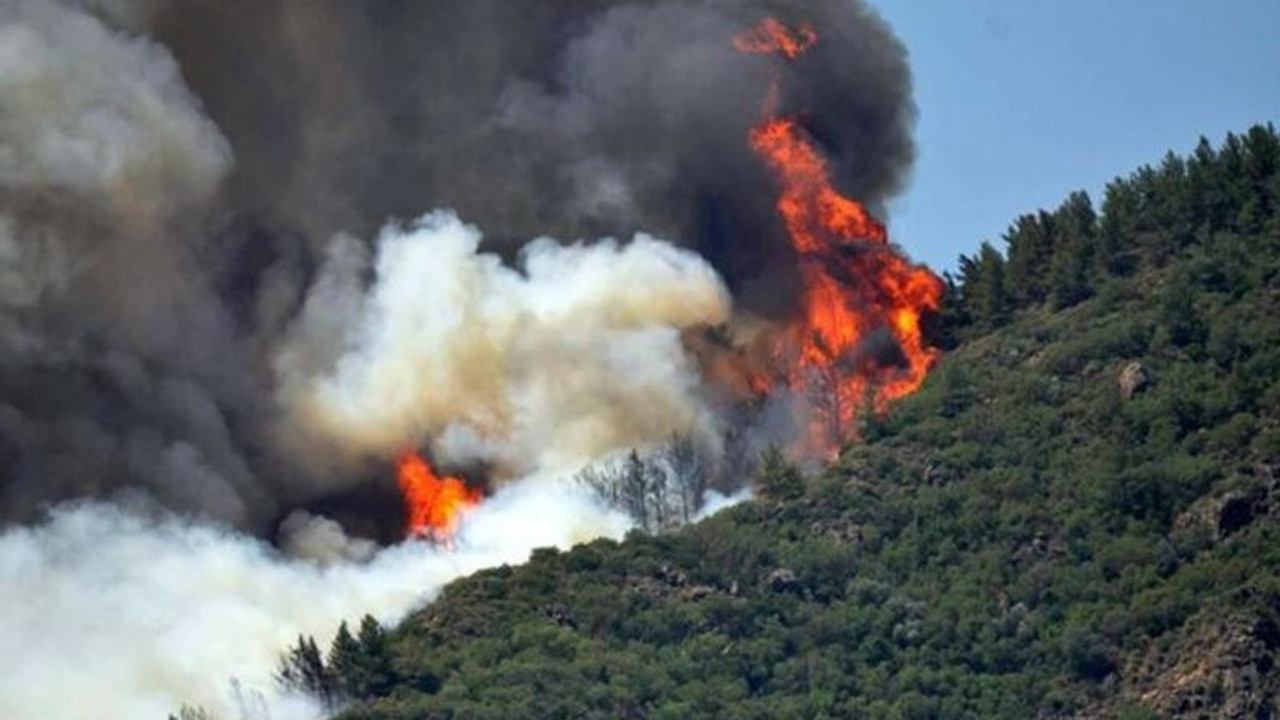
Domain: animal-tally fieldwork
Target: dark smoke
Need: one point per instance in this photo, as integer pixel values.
(576, 118)
(151, 265)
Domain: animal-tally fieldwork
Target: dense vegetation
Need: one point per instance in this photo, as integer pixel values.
(1077, 516)
(1215, 208)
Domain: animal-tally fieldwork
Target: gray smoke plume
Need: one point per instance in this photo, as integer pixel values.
(576, 118)
(118, 359)
(218, 318)
(173, 175)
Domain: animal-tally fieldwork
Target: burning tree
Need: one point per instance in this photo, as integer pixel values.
(435, 505)
(856, 286)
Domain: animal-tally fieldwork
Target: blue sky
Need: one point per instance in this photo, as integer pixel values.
(1023, 101)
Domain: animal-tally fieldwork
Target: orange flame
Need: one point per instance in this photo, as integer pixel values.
(856, 285)
(435, 505)
(771, 37)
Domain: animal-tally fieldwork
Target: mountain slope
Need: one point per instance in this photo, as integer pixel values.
(1077, 516)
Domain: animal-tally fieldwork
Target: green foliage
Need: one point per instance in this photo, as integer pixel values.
(1007, 543)
(302, 669)
(370, 670)
(361, 666)
(357, 667)
(345, 661)
(1087, 654)
(982, 297)
(1152, 218)
(1070, 269)
(778, 478)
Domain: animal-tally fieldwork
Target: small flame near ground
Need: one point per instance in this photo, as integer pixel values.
(856, 285)
(435, 505)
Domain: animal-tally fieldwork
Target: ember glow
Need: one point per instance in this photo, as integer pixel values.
(434, 504)
(772, 37)
(859, 291)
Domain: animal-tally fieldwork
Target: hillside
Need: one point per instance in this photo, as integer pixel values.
(1077, 516)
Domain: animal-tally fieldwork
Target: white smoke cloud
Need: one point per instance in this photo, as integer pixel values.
(717, 501)
(102, 148)
(132, 14)
(99, 115)
(112, 614)
(105, 156)
(575, 355)
(109, 293)
(107, 166)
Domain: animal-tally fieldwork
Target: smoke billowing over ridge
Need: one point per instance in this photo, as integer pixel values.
(174, 174)
(250, 250)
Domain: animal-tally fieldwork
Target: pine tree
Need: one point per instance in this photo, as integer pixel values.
(302, 669)
(377, 674)
(345, 664)
(778, 478)
(942, 329)
(1118, 229)
(1077, 230)
(983, 285)
(1261, 165)
(1030, 244)
(1179, 315)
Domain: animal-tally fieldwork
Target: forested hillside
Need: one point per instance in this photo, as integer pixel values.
(1078, 516)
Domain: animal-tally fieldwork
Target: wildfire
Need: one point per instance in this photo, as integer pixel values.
(435, 504)
(857, 287)
(771, 37)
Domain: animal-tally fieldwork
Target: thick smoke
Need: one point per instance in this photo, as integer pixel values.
(571, 118)
(173, 176)
(122, 614)
(117, 356)
(215, 315)
(567, 358)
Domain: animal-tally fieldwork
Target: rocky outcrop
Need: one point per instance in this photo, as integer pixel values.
(1217, 517)
(1134, 379)
(782, 580)
(1222, 670)
(1222, 667)
(671, 581)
